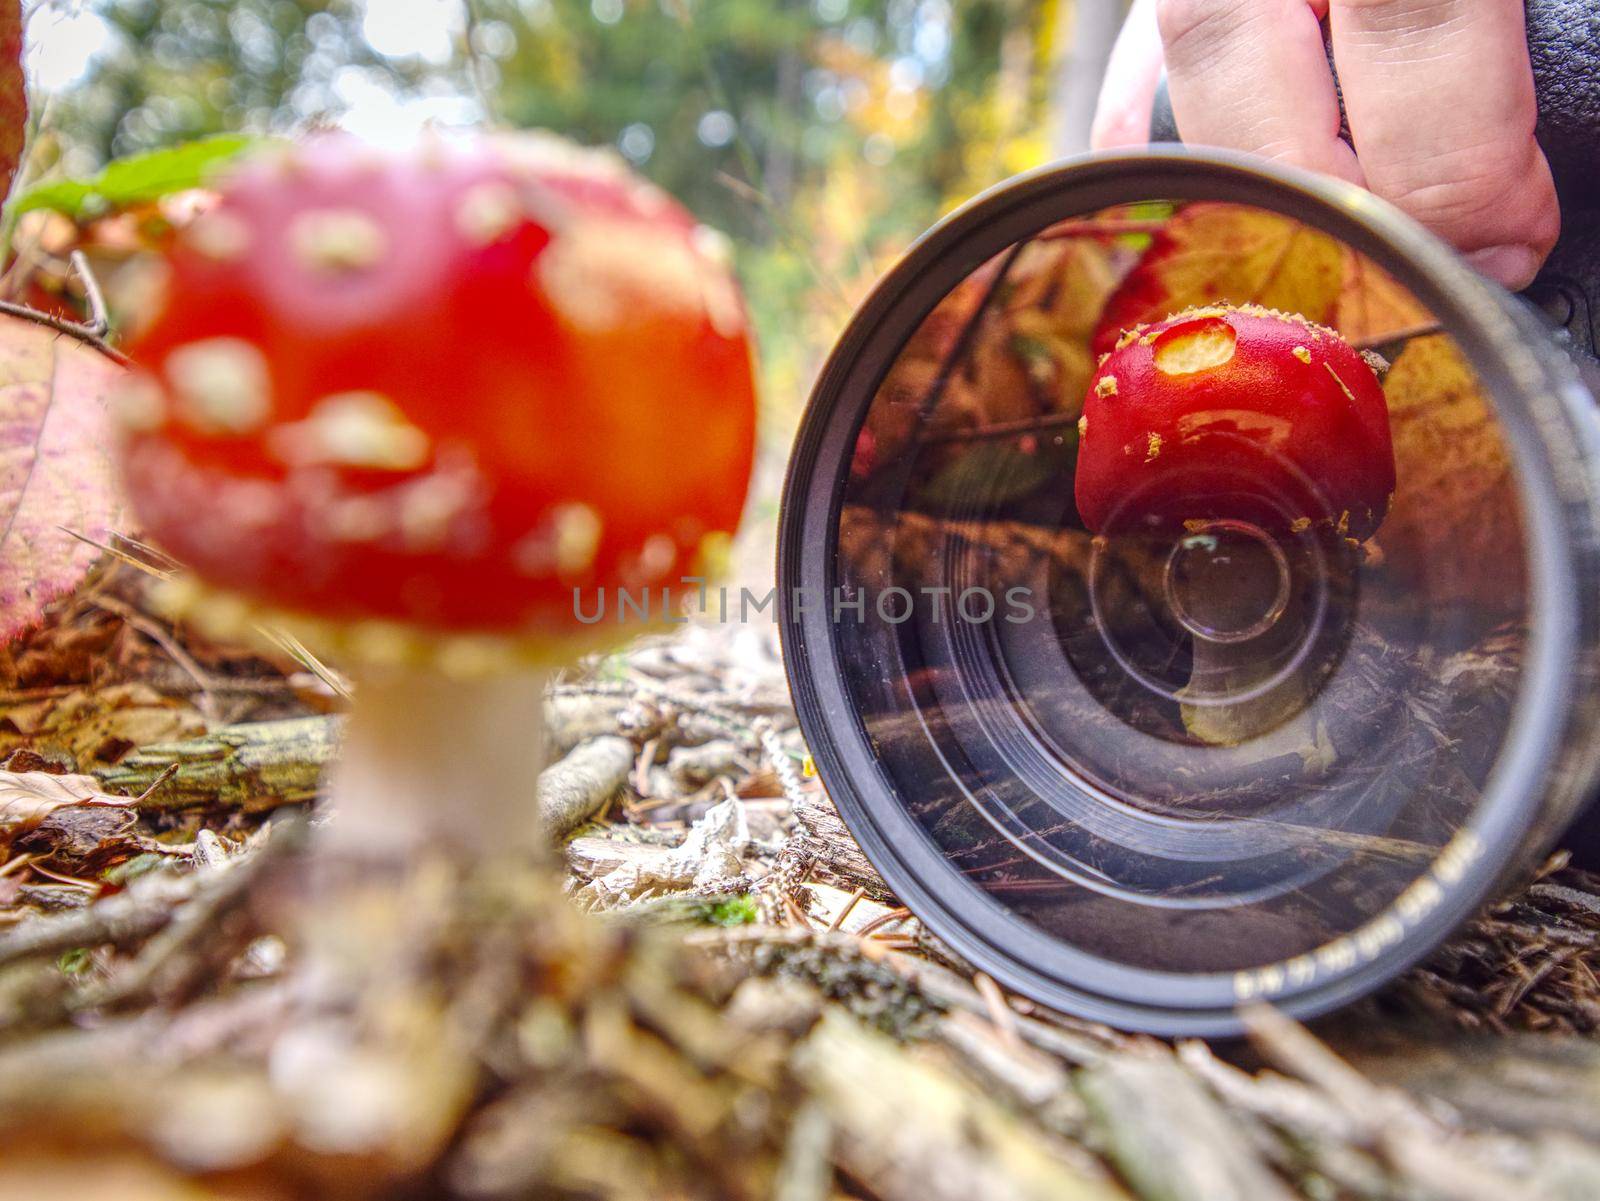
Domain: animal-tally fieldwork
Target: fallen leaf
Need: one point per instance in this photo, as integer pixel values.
(1215, 253)
(56, 472)
(1454, 531)
(13, 94)
(100, 725)
(82, 833)
(30, 796)
(1372, 306)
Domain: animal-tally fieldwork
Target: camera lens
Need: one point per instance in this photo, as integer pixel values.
(1172, 596)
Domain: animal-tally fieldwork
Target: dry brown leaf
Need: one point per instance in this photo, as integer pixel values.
(13, 94)
(1215, 253)
(27, 797)
(98, 725)
(56, 472)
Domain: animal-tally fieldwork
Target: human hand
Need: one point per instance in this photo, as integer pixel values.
(1438, 93)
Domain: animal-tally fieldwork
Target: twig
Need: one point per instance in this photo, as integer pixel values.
(172, 770)
(73, 329)
(219, 893)
(846, 908)
(574, 789)
(969, 333)
(151, 630)
(882, 920)
(1417, 1146)
(99, 323)
(1170, 1136)
(1398, 336)
(1001, 1014)
(117, 920)
(63, 878)
(160, 570)
(1001, 429)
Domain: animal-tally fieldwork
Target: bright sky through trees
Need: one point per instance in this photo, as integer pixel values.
(63, 39)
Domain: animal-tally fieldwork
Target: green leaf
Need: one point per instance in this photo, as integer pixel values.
(70, 963)
(139, 178)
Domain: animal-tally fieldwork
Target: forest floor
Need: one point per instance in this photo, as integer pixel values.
(720, 999)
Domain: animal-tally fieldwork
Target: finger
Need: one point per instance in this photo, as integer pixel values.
(1253, 75)
(1441, 105)
(1122, 115)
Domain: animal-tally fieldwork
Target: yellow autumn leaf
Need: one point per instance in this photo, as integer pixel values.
(1453, 534)
(1216, 253)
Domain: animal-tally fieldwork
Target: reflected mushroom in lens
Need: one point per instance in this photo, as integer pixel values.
(1250, 449)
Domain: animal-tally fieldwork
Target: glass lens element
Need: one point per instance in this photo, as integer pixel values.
(1213, 693)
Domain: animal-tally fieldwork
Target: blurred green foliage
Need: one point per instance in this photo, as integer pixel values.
(180, 70)
(822, 134)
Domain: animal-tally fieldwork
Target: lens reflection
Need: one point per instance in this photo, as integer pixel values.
(1217, 578)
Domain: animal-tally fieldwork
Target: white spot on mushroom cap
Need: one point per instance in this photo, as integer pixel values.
(713, 246)
(432, 507)
(250, 505)
(337, 240)
(657, 556)
(723, 306)
(222, 385)
(597, 275)
(364, 430)
(564, 543)
(721, 296)
(488, 212)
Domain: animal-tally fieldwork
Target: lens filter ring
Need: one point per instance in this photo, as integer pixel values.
(898, 739)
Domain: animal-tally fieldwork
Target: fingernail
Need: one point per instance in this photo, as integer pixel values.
(1513, 266)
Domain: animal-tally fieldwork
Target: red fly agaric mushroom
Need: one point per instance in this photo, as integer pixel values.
(403, 404)
(1252, 448)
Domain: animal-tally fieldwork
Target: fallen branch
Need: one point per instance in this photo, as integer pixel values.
(1170, 1137)
(911, 1131)
(121, 920)
(575, 789)
(169, 960)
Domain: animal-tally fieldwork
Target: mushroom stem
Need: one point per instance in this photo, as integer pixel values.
(1262, 684)
(1232, 586)
(1227, 670)
(430, 759)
